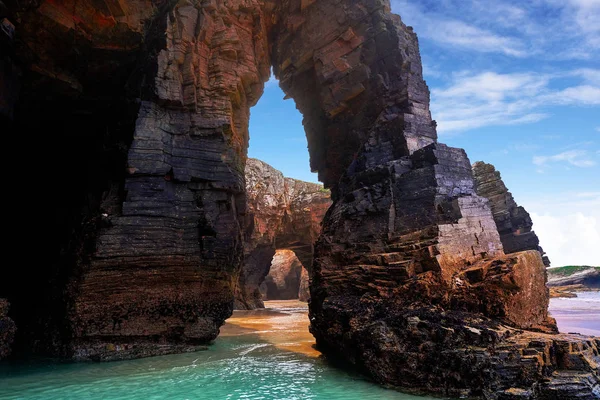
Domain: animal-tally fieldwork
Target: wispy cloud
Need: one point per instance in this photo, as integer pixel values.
(456, 33)
(474, 100)
(577, 158)
(569, 29)
(567, 224)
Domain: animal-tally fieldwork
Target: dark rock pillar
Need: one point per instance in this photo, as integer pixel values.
(409, 282)
(163, 275)
(513, 221)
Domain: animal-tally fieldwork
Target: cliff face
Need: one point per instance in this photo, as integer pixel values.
(150, 102)
(586, 277)
(283, 213)
(142, 238)
(513, 221)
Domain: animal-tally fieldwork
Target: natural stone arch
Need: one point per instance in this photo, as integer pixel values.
(409, 280)
(282, 213)
(287, 278)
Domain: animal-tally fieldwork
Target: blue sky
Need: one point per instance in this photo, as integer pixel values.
(516, 84)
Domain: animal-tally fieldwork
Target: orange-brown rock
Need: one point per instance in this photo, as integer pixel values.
(304, 289)
(141, 232)
(283, 213)
(283, 280)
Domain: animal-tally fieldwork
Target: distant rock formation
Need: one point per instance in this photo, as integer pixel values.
(7, 330)
(513, 221)
(583, 276)
(283, 213)
(283, 280)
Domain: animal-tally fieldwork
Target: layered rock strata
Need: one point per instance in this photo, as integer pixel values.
(283, 280)
(283, 213)
(513, 221)
(144, 249)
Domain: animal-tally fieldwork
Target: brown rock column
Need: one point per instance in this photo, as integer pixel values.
(163, 275)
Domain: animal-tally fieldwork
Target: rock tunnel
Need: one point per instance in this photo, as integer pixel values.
(135, 117)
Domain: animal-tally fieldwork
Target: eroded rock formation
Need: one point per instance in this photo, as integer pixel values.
(143, 248)
(283, 280)
(304, 289)
(513, 221)
(584, 276)
(283, 213)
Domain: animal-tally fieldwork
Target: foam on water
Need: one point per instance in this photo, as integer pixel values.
(579, 314)
(260, 355)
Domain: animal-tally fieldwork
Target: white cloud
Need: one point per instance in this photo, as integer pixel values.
(570, 239)
(475, 100)
(584, 94)
(553, 29)
(577, 158)
(456, 33)
(568, 226)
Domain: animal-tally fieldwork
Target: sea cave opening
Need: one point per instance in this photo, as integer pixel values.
(75, 131)
(285, 204)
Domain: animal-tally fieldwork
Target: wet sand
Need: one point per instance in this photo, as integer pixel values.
(282, 323)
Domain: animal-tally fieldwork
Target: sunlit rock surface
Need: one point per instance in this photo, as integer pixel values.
(283, 280)
(283, 213)
(141, 232)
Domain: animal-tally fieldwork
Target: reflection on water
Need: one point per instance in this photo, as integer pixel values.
(579, 314)
(265, 354)
(283, 324)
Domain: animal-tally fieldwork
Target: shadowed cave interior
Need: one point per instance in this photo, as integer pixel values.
(76, 142)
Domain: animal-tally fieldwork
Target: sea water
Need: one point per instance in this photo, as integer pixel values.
(579, 314)
(265, 354)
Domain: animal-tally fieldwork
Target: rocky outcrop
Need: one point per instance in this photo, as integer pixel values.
(513, 221)
(283, 213)
(283, 280)
(410, 282)
(7, 330)
(148, 227)
(304, 289)
(583, 276)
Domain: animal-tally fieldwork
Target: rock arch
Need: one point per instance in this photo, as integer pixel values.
(282, 213)
(409, 280)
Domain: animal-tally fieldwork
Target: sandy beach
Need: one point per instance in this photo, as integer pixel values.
(580, 314)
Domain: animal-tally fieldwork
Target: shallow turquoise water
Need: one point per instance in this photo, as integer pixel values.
(236, 367)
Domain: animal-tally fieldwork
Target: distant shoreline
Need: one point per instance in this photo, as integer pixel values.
(580, 314)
